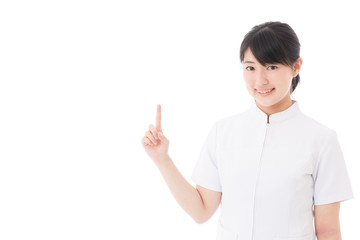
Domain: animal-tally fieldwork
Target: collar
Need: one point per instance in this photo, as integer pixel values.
(275, 117)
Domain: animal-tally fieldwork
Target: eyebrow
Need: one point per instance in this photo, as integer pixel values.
(248, 62)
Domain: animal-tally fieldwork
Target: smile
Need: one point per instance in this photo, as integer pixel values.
(265, 92)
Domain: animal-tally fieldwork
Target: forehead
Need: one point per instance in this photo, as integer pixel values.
(249, 57)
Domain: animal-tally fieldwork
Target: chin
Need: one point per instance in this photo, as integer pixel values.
(266, 102)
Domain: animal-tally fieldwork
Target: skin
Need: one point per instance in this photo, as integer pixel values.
(327, 223)
(201, 203)
(270, 76)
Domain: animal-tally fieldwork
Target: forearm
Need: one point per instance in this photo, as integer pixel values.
(185, 194)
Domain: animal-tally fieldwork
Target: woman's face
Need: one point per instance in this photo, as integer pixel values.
(275, 78)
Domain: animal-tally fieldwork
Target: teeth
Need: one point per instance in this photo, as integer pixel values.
(265, 91)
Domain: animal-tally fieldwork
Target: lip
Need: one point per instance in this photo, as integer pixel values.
(265, 94)
(263, 89)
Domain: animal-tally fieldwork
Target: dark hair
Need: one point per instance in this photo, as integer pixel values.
(273, 42)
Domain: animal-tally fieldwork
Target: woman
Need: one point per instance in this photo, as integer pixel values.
(273, 169)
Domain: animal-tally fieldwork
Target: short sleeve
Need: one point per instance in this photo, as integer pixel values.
(331, 179)
(206, 172)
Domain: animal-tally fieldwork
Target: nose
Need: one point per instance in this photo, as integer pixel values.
(261, 78)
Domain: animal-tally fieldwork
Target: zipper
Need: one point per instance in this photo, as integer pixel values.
(257, 178)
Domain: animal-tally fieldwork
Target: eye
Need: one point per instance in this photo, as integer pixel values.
(272, 67)
(249, 68)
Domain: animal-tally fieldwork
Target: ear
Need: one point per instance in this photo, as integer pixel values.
(297, 66)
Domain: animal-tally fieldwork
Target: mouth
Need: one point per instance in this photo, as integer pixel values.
(265, 92)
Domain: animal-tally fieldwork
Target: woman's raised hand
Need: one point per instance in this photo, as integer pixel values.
(154, 142)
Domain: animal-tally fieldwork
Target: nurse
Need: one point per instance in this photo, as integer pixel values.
(277, 173)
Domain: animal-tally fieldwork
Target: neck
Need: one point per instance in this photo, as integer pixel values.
(278, 107)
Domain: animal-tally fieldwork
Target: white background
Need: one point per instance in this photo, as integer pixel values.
(79, 85)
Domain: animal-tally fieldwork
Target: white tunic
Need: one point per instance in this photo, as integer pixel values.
(271, 174)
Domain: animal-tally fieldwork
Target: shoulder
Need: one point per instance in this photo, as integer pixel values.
(313, 133)
(311, 125)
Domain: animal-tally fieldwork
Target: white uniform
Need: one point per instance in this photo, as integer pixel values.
(271, 174)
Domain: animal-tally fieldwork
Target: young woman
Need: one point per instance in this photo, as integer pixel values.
(276, 172)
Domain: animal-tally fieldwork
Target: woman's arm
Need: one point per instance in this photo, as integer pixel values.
(327, 224)
(200, 203)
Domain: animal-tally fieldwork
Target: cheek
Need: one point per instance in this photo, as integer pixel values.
(281, 79)
(248, 78)
(249, 84)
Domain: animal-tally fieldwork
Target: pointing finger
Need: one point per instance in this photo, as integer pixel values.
(158, 118)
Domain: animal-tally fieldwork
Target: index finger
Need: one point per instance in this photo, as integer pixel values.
(158, 118)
